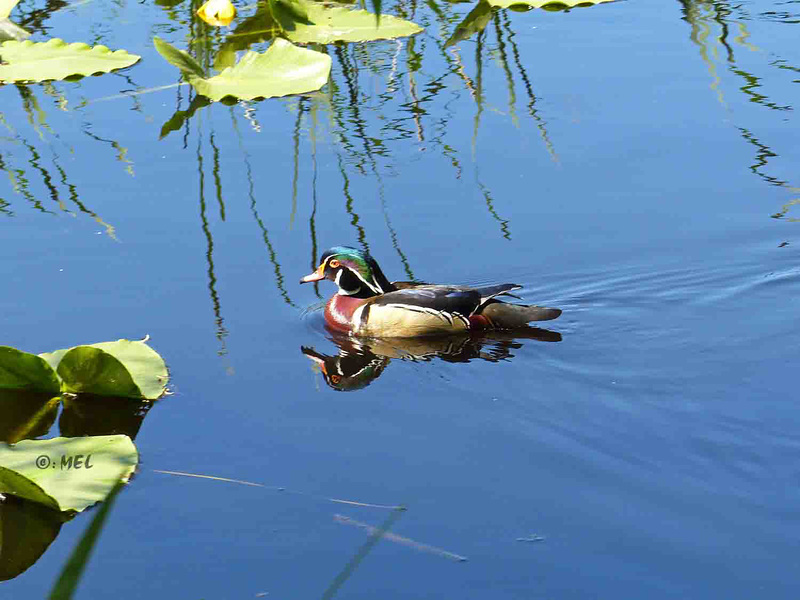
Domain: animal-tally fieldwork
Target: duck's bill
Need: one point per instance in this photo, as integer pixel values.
(315, 276)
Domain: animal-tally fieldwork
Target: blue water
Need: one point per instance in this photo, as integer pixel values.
(638, 173)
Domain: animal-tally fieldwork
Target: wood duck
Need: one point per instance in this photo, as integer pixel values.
(367, 304)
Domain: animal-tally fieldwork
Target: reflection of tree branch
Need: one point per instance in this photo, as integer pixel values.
(362, 237)
(478, 88)
(361, 134)
(122, 152)
(217, 180)
(699, 35)
(785, 209)
(703, 18)
(47, 179)
(34, 20)
(490, 205)
(19, 183)
(352, 87)
(540, 123)
(301, 110)
(753, 84)
(392, 232)
(264, 233)
(501, 46)
(416, 110)
(73, 196)
(763, 154)
(221, 332)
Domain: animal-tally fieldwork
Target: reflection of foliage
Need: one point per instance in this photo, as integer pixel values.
(25, 161)
(719, 28)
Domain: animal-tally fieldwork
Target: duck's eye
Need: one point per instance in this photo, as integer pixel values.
(335, 379)
(334, 264)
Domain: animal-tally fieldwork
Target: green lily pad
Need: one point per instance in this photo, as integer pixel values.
(327, 24)
(87, 370)
(547, 4)
(56, 59)
(18, 485)
(22, 371)
(125, 368)
(145, 365)
(68, 474)
(282, 70)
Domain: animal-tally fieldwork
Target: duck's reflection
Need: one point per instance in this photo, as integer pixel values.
(361, 361)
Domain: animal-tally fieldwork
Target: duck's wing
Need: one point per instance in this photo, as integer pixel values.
(449, 299)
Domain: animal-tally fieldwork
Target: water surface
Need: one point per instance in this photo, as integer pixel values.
(631, 163)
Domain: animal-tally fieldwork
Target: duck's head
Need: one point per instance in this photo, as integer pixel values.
(353, 270)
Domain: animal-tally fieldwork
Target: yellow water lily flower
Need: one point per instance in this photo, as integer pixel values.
(217, 12)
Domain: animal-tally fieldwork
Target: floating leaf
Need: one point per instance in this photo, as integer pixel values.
(328, 24)
(217, 12)
(87, 370)
(22, 371)
(547, 4)
(18, 485)
(55, 59)
(68, 474)
(178, 58)
(145, 365)
(125, 368)
(282, 70)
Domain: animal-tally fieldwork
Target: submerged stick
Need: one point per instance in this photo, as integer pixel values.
(393, 537)
(376, 534)
(280, 489)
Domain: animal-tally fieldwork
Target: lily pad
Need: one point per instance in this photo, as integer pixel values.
(87, 370)
(125, 368)
(547, 4)
(68, 474)
(327, 24)
(282, 70)
(145, 365)
(22, 371)
(56, 59)
(18, 485)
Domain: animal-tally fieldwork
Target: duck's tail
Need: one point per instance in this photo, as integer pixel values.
(509, 316)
